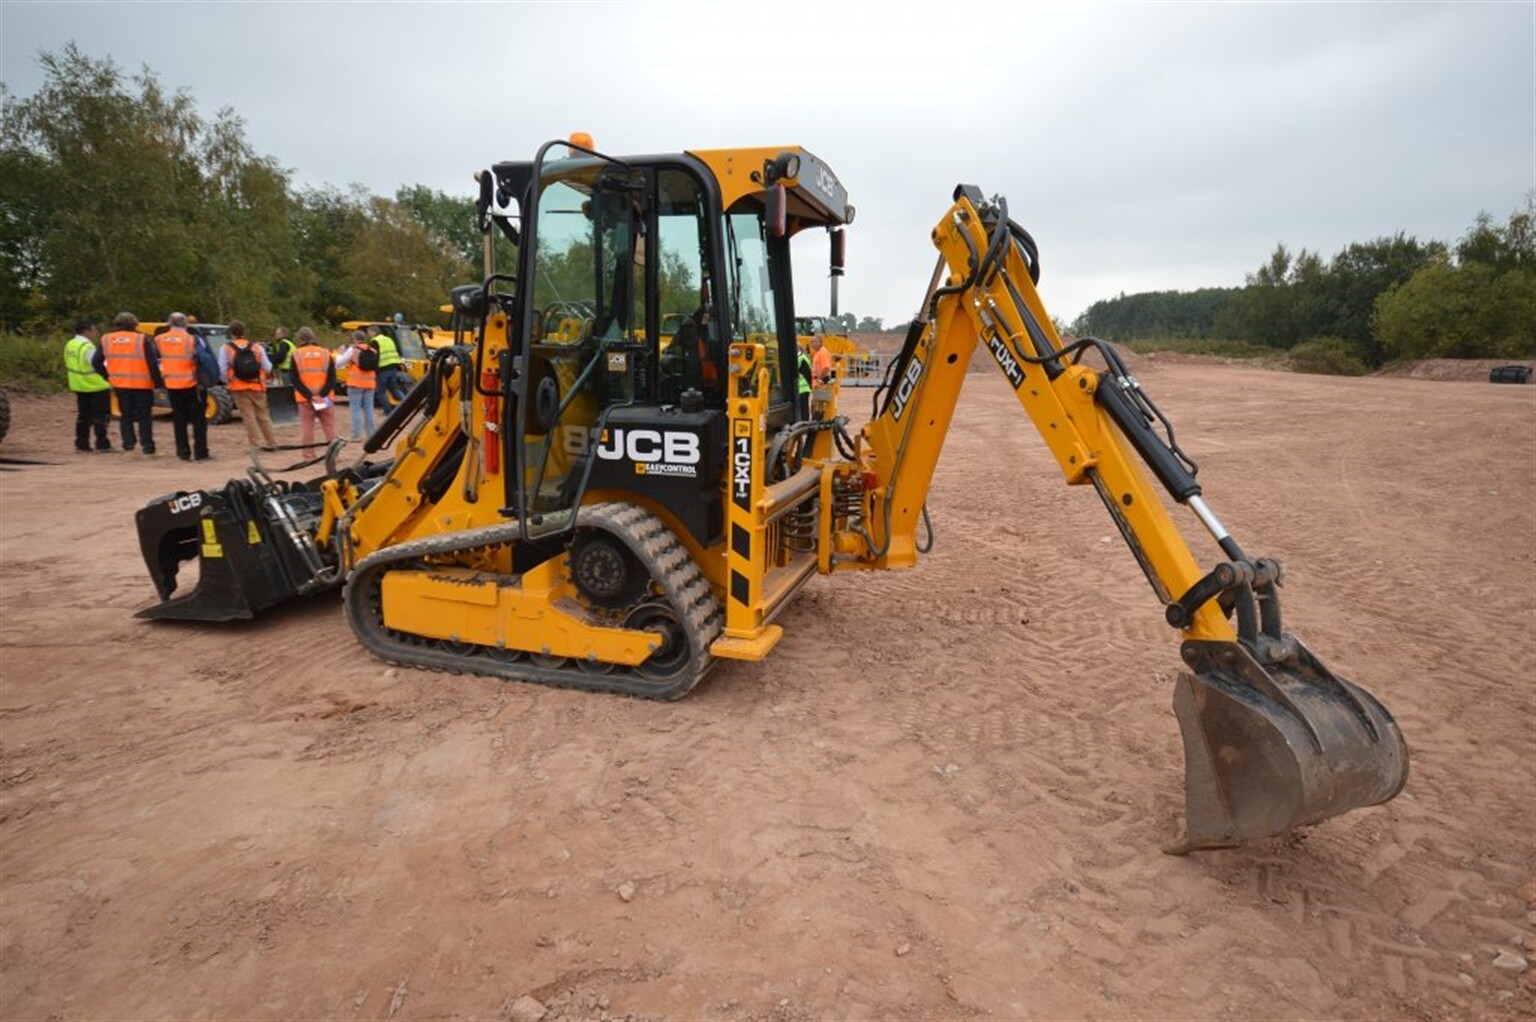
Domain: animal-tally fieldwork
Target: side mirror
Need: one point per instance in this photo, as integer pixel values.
(837, 263)
(468, 300)
(778, 211)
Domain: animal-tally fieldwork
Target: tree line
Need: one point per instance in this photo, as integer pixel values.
(1372, 303)
(116, 194)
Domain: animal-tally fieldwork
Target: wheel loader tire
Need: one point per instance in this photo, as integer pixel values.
(219, 406)
(5, 413)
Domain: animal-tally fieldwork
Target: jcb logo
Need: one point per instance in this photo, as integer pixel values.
(645, 446)
(185, 502)
(906, 386)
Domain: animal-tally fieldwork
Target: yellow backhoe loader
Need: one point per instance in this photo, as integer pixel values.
(606, 484)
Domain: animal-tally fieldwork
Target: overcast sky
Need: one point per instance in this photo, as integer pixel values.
(1146, 146)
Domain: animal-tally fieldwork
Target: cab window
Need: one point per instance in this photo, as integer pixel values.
(751, 299)
(688, 349)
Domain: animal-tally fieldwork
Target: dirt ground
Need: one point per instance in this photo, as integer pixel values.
(942, 797)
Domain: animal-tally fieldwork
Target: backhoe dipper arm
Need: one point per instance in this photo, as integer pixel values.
(1273, 740)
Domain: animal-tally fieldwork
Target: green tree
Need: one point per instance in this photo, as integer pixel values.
(106, 177)
(116, 194)
(1511, 246)
(247, 249)
(395, 265)
(1264, 312)
(1155, 315)
(449, 218)
(1482, 305)
(326, 225)
(1358, 276)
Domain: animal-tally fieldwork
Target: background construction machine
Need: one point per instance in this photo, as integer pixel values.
(415, 342)
(856, 366)
(607, 486)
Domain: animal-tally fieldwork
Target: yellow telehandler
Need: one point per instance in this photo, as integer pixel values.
(607, 485)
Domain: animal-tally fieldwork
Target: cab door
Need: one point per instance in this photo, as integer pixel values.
(583, 278)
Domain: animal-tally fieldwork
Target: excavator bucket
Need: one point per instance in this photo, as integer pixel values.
(1268, 748)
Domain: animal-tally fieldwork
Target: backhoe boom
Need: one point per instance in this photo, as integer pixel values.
(1272, 739)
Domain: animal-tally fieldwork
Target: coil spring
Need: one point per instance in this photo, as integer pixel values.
(799, 532)
(847, 503)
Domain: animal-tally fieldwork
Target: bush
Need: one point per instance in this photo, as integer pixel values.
(1191, 346)
(34, 364)
(1329, 356)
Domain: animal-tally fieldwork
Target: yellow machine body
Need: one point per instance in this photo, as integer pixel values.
(611, 484)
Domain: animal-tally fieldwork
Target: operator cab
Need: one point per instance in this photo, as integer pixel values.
(634, 278)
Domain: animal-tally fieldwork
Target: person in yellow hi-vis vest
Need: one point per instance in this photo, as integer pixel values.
(93, 394)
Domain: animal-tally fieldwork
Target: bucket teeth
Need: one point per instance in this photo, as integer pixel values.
(1269, 749)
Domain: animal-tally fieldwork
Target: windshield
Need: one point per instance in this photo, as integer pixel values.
(409, 343)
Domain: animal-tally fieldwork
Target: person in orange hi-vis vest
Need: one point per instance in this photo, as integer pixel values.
(243, 365)
(360, 383)
(131, 363)
(178, 366)
(822, 374)
(314, 380)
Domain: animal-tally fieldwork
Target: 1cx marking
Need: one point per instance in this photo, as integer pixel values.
(1005, 361)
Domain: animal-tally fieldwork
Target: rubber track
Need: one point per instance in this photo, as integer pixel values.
(648, 538)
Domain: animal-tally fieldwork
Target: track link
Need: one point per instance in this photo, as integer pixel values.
(684, 596)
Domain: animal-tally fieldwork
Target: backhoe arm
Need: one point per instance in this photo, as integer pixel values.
(996, 304)
(1273, 740)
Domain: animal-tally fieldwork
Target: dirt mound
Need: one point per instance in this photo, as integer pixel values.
(1468, 369)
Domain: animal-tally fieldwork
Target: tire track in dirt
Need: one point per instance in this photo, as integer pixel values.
(943, 795)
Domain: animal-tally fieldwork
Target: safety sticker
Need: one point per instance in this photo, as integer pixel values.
(211, 547)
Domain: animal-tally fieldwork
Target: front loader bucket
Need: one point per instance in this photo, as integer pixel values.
(246, 562)
(1267, 749)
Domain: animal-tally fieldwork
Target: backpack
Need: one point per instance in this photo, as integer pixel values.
(244, 365)
(367, 359)
(207, 364)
